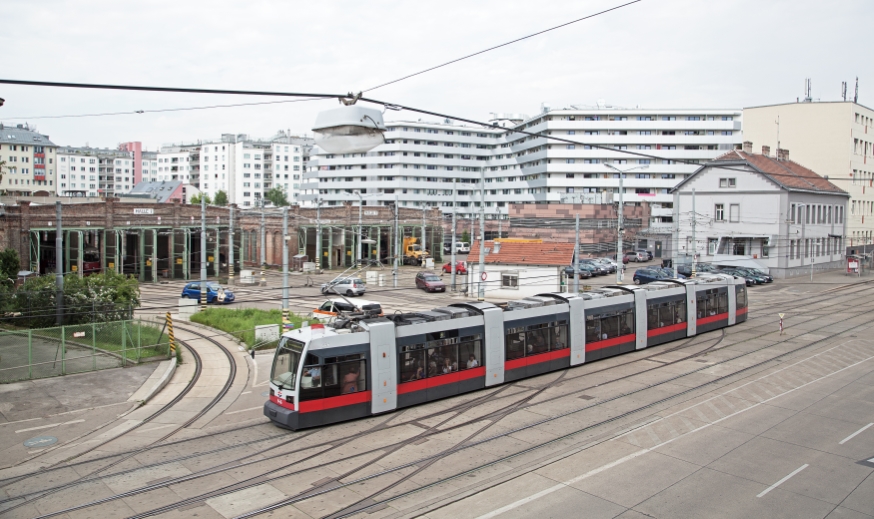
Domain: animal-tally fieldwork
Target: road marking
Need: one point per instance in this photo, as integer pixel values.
(158, 427)
(244, 410)
(245, 392)
(55, 425)
(777, 484)
(633, 455)
(850, 437)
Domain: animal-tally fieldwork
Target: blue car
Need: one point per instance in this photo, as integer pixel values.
(214, 293)
(648, 275)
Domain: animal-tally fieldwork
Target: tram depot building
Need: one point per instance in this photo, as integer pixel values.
(163, 241)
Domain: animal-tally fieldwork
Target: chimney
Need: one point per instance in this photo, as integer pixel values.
(766, 151)
(748, 147)
(782, 154)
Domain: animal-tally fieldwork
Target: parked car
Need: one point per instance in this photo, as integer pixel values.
(624, 258)
(686, 268)
(646, 254)
(598, 268)
(430, 282)
(214, 293)
(648, 275)
(611, 266)
(758, 272)
(462, 247)
(636, 257)
(333, 307)
(459, 268)
(346, 286)
(759, 279)
(585, 273)
(671, 273)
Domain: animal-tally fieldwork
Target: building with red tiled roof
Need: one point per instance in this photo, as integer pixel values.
(760, 211)
(517, 270)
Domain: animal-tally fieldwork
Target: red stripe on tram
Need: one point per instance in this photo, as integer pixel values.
(606, 343)
(666, 329)
(440, 380)
(537, 359)
(713, 318)
(741, 311)
(321, 404)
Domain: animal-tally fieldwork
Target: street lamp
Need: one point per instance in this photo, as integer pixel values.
(619, 213)
(349, 129)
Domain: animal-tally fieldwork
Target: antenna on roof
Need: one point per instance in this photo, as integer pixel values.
(844, 90)
(807, 97)
(856, 95)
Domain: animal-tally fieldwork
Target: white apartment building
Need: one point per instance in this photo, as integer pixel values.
(832, 138)
(243, 168)
(426, 157)
(29, 159)
(93, 172)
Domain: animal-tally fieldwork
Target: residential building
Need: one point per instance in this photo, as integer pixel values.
(242, 167)
(835, 139)
(29, 159)
(425, 158)
(103, 172)
(762, 211)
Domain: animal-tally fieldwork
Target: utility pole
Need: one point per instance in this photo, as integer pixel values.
(285, 240)
(482, 234)
(263, 246)
(59, 264)
(394, 272)
(231, 246)
(803, 242)
(694, 243)
(203, 252)
(452, 245)
(360, 235)
(318, 234)
(577, 257)
(424, 241)
(619, 212)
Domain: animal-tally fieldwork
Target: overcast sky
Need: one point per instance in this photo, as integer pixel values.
(653, 54)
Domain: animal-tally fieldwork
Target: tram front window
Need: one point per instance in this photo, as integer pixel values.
(285, 363)
(91, 257)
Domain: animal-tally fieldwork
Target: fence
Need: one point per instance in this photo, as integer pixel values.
(48, 352)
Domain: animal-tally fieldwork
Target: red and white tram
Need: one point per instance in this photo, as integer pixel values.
(364, 366)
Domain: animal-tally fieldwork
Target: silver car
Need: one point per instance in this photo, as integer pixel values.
(345, 286)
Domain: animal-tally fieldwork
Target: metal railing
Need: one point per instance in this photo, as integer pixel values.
(63, 350)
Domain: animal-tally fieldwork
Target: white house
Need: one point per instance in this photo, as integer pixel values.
(763, 211)
(518, 270)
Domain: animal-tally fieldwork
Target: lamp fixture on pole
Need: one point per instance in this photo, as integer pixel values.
(619, 229)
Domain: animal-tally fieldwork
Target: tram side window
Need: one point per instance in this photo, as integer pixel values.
(610, 325)
(469, 354)
(722, 303)
(344, 374)
(711, 303)
(741, 297)
(515, 344)
(412, 363)
(442, 360)
(666, 314)
(559, 337)
(537, 340)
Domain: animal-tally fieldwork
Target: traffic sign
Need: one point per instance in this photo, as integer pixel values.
(484, 275)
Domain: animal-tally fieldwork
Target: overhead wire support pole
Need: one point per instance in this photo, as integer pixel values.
(481, 293)
(694, 243)
(577, 257)
(285, 241)
(619, 211)
(452, 245)
(318, 257)
(231, 245)
(394, 272)
(203, 293)
(59, 264)
(263, 246)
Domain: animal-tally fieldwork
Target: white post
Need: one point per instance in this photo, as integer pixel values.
(360, 236)
(482, 234)
(694, 243)
(394, 271)
(619, 254)
(577, 257)
(203, 293)
(452, 245)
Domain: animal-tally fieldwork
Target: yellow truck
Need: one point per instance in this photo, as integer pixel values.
(413, 252)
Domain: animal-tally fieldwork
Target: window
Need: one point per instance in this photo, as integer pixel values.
(711, 302)
(609, 325)
(441, 355)
(509, 280)
(711, 245)
(727, 182)
(792, 214)
(719, 213)
(734, 213)
(668, 313)
(535, 339)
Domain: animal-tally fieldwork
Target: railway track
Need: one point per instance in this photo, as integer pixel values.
(328, 446)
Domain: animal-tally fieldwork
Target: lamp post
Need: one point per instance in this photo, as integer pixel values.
(360, 204)
(619, 218)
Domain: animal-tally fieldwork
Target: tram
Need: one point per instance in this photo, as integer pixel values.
(367, 364)
(48, 261)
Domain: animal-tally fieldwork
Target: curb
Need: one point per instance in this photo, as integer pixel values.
(155, 383)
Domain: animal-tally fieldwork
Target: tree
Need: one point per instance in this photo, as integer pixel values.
(276, 196)
(195, 199)
(465, 237)
(10, 265)
(221, 198)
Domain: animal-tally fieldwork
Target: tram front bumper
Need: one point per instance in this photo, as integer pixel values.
(281, 416)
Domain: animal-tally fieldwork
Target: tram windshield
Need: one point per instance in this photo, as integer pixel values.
(285, 363)
(91, 256)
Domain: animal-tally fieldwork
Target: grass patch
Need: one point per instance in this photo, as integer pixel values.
(241, 322)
